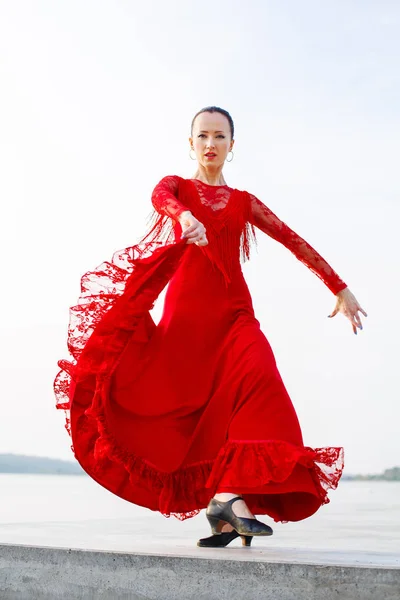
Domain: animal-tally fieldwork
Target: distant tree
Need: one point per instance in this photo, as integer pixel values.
(392, 474)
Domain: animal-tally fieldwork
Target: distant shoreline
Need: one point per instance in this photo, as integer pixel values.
(380, 477)
(41, 465)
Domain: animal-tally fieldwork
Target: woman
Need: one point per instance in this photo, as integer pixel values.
(192, 413)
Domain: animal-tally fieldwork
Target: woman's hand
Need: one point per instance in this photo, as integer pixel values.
(348, 305)
(192, 229)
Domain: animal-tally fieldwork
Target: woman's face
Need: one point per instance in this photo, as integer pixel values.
(211, 134)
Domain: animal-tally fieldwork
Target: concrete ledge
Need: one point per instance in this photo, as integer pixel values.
(43, 573)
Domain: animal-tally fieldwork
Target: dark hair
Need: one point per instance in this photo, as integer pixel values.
(213, 109)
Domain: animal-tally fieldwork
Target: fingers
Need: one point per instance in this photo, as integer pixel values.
(195, 234)
(197, 230)
(189, 230)
(349, 306)
(358, 320)
(199, 238)
(202, 241)
(355, 317)
(355, 321)
(196, 237)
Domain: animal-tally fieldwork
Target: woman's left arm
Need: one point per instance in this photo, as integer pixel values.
(268, 222)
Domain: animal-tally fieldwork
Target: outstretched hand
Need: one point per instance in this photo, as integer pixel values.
(347, 304)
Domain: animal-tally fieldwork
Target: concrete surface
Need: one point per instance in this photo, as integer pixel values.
(44, 573)
(69, 538)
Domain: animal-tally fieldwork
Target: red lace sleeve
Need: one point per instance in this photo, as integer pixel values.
(163, 221)
(269, 223)
(164, 197)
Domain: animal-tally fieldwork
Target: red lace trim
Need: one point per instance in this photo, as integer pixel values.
(258, 462)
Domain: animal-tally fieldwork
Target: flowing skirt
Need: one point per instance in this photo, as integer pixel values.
(167, 415)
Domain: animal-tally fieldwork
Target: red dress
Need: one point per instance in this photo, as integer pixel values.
(165, 416)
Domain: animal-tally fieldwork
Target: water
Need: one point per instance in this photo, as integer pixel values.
(74, 511)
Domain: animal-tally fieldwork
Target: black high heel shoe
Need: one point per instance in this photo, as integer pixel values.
(218, 513)
(223, 539)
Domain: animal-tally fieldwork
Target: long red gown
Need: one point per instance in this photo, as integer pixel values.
(167, 415)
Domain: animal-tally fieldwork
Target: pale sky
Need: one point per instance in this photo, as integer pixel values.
(96, 101)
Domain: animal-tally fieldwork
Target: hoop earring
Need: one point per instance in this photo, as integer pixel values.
(231, 158)
(191, 155)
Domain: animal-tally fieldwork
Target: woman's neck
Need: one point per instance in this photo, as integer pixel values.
(212, 178)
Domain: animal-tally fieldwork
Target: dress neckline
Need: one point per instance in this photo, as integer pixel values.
(210, 184)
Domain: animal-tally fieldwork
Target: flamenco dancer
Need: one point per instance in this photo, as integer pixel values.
(192, 412)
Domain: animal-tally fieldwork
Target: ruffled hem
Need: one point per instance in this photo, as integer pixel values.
(254, 463)
(184, 492)
(178, 493)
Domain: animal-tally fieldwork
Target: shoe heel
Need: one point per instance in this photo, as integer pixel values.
(214, 522)
(246, 540)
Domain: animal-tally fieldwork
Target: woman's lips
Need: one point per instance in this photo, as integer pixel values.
(210, 155)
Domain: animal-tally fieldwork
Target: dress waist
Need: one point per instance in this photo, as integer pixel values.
(199, 291)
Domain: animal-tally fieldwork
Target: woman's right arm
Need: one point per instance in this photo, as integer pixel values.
(165, 201)
(164, 197)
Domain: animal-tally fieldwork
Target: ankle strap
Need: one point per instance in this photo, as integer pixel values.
(232, 500)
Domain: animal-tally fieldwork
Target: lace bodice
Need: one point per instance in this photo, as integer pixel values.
(165, 201)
